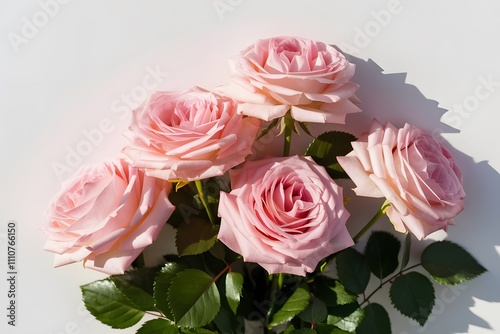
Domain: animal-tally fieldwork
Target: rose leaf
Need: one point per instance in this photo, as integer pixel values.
(346, 317)
(195, 237)
(158, 326)
(194, 298)
(376, 320)
(353, 270)
(449, 263)
(316, 312)
(109, 305)
(140, 297)
(328, 329)
(234, 286)
(142, 278)
(162, 283)
(297, 303)
(327, 147)
(413, 295)
(381, 252)
(332, 292)
(406, 251)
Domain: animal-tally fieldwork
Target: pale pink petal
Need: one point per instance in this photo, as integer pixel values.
(262, 111)
(189, 135)
(364, 184)
(112, 263)
(129, 212)
(411, 170)
(294, 72)
(285, 214)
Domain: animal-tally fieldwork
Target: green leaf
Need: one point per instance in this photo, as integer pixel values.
(328, 329)
(413, 295)
(353, 270)
(338, 312)
(218, 251)
(142, 278)
(182, 199)
(297, 302)
(332, 292)
(234, 285)
(289, 329)
(197, 331)
(347, 323)
(158, 326)
(227, 322)
(327, 147)
(376, 320)
(316, 312)
(109, 305)
(406, 251)
(318, 328)
(381, 252)
(162, 283)
(140, 297)
(194, 298)
(264, 132)
(195, 237)
(303, 126)
(303, 331)
(449, 263)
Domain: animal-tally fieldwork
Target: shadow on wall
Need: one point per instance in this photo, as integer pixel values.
(388, 98)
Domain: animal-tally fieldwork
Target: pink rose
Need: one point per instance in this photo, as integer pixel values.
(189, 135)
(289, 73)
(413, 171)
(285, 214)
(105, 216)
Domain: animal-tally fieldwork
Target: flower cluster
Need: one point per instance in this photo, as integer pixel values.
(273, 224)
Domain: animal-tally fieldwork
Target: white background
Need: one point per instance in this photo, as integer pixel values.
(68, 66)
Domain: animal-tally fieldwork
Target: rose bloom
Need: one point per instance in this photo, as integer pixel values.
(189, 135)
(286, 214)
(311, 79)
(413, 171)
(105, 216)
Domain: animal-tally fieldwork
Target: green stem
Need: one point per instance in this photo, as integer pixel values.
(227, 268)
(276, 285)
(372, 221)
(288, 141)
(156, 314)
(201, 194)
(366, 299)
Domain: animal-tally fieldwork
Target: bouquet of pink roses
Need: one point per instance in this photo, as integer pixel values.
(255, 236)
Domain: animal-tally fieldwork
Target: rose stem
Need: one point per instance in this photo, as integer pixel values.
(389, 280)
(372, 221)
(288, 141)
(276, 285)
(201, 194)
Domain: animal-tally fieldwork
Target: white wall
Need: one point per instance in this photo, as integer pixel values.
(68, 68)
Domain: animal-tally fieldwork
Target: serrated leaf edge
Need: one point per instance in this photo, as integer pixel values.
(431, 306)
(177, 321)
(134, 306)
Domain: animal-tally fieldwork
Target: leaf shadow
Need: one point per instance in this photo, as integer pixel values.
(387, 97)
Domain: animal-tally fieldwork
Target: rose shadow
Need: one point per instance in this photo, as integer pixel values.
(387, 97)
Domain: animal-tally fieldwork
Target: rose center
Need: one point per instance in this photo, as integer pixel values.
(288, 204)
(437, 166)
(289, 53)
